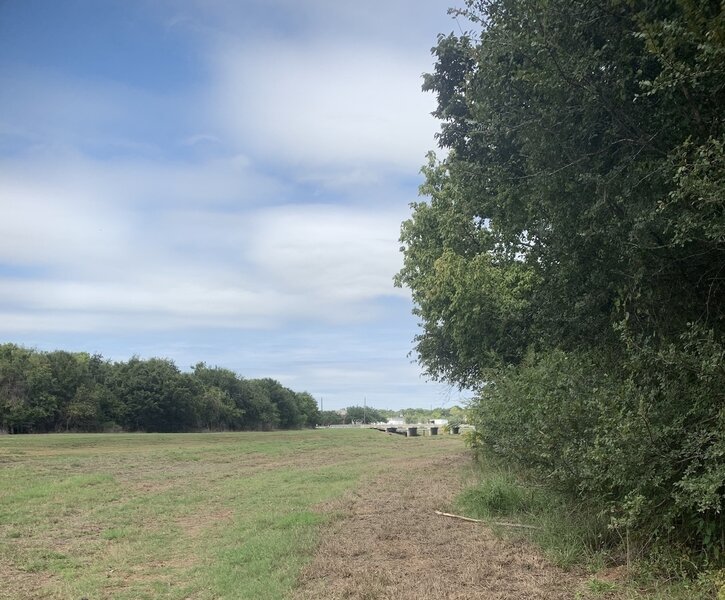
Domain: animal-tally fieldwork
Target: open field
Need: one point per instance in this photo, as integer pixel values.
(305, 514)
(231, 515)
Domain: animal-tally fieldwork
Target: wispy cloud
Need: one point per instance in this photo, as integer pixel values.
(329, 252)
(46, 111)
(130, 241)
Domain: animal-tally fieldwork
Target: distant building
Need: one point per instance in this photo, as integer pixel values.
(396, 422)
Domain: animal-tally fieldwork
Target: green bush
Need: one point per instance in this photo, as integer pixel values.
(642, 438)
(568, 258)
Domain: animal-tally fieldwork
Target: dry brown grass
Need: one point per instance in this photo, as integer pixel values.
(15, 583)
(388, 543)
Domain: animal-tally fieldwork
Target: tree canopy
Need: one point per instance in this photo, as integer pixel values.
(567, 261)
(62, 391)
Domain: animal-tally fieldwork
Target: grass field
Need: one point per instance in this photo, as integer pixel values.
(229, 515)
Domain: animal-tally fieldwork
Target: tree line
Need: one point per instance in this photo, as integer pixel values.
(43, 392)
(568, 260)
(367, 414)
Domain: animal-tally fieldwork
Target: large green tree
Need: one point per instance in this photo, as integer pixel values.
(21, 408)
(568, 260)
(582, 185)
(158, 397)
(285, 402)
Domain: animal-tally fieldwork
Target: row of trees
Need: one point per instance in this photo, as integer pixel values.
(367, 414)
(352, 414)
(569, 261)
(63, 391)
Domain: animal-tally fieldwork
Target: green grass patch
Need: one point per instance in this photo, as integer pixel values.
(568, 534)
(572, 535)
(500, 494)
(114, 534)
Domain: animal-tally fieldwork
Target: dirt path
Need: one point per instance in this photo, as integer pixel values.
(390, 544)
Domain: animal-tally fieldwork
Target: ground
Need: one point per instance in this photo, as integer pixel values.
(389, 543)
(302, 515)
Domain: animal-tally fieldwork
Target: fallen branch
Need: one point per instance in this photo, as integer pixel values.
(444, 514)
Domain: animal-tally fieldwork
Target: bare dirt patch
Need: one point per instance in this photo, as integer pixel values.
(389, 543)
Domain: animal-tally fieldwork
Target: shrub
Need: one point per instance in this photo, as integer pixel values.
(642, 438)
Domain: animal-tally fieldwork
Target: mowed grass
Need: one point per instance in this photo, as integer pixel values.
(134, 516)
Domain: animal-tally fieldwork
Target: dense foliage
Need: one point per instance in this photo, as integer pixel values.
(569, 263)
(62, 391)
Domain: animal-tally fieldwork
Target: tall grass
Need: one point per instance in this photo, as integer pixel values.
(574, 535)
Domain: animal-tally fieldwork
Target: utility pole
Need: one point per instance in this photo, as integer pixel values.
(365, 409)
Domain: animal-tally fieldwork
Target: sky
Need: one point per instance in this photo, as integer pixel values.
(219, 181)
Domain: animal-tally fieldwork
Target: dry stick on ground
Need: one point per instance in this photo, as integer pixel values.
(444, 514)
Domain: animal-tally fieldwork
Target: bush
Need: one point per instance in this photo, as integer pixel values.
(643, 438)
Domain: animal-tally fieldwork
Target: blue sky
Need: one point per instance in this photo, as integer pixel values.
(218, 181)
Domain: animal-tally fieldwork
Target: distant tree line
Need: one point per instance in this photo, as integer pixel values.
(42, 392)
(363, 414)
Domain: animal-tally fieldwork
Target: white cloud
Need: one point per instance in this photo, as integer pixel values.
(45, 224)
(95, 216)
(331, 253)
(158, 304)
(326, 105)
(144, 245)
